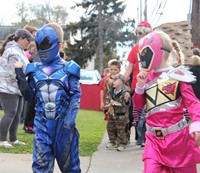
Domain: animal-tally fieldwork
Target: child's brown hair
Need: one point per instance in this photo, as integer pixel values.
(116, 63)
(58, 29)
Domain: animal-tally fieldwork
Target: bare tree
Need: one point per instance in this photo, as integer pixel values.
(59, 14)
(100, 34)
(39, 14)
(22, 12)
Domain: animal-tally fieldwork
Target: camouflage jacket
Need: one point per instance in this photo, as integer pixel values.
(115, 102)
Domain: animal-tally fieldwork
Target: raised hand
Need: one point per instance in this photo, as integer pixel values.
(18, 64)
(142, 78)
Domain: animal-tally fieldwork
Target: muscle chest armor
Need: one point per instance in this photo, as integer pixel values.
(162, 93)
(51, 89)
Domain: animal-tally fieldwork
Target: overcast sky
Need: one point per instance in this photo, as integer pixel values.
(172, 10)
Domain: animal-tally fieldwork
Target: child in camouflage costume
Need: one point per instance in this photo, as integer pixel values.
(117, 106)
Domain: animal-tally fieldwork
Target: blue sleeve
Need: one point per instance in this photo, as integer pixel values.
(74, 104)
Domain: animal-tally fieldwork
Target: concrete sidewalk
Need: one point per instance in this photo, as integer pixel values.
(102, 161)
(112, 161)
(21, 163)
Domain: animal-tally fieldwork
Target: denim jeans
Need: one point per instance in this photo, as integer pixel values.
(141, 128)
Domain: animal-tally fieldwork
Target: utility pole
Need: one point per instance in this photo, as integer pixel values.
(145, 10)
(138, 12)
(195, 22)
(141, 11)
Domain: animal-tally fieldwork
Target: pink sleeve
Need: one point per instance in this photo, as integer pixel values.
(28, 55)
(192, 104)
(139, 98)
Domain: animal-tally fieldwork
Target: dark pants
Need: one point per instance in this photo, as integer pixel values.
(30, 114)
(12, 106)
(131, 118)
(141, 128)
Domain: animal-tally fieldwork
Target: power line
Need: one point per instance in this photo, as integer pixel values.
(157, 11)
(154, 9)
(161, 12)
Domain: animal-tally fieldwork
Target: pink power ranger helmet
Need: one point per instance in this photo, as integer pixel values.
(151, 51)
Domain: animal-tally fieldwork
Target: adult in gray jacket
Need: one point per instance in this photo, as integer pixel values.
(12, 50)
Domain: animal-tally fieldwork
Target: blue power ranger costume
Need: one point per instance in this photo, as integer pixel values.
(54, 85)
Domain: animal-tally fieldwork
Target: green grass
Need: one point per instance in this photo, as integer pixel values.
(91, 127)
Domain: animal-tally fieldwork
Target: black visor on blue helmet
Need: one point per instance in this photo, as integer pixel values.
(47, 43)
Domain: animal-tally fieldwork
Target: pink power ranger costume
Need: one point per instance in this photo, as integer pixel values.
(169, 146)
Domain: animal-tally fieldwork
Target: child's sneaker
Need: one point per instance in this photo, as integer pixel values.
(111, 146)
(28, 129)
(5, 144)
(142, 145)
(128, 142)
(121, 148)
(17, 142)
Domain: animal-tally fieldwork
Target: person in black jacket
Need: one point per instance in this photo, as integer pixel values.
(195, 69)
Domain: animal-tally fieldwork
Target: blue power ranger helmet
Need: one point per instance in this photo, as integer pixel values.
(47, 43)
